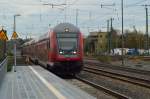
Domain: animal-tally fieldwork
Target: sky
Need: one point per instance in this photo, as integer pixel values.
(37, 17)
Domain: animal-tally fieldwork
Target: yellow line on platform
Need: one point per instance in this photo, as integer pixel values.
(50, 87)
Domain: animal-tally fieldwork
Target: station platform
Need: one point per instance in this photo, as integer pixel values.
(34, 82)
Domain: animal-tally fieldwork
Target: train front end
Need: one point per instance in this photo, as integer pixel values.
(69, 49)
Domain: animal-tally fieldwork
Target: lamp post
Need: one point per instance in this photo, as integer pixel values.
(14, 31)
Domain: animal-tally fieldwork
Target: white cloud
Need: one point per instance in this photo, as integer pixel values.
(35, 14)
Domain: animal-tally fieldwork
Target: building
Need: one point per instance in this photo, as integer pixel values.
(97, 42)
(102, 42)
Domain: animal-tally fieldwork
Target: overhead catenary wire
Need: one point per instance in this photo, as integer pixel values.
(103, 15)
(135, 4)
(82, 22)
(64, 9)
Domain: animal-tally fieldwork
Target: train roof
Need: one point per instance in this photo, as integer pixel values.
(58, 28)
(32, 41)
(44, 36)
(63, 26)
(28, 42)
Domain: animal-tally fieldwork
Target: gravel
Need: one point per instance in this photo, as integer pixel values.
(131, 90)
(90, 90)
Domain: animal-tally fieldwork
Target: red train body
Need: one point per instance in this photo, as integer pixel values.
(60, 50)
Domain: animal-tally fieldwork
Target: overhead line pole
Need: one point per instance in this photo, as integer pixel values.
(77, 16)
(146, 33)
(111, 20)
(147, 37)
(66, 11)
(122, 37)
(108, 32)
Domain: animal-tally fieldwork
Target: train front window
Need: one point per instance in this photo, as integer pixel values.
(67, 43)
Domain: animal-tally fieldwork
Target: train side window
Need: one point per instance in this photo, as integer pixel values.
(48, 44)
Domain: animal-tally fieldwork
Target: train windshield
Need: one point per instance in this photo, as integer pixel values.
(67, 41)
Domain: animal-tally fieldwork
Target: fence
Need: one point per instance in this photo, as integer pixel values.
(3, 69)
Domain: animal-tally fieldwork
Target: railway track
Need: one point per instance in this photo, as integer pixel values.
(102, 88)
(129, 79)
(128, 69)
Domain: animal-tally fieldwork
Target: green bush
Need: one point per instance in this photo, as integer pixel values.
(10, 63)
(9, 53)
(105, 59)
(1, 56)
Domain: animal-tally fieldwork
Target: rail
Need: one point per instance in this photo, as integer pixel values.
(3, 69)
(109, 91)
(126, 78)
(115, 67)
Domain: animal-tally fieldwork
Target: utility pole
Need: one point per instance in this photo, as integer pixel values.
(146, 33)
(90, 16)
(108, 33)
(122, 37)
(136, 37)
(111, 32)
(77, 17)
(66, 11)
(147, 37)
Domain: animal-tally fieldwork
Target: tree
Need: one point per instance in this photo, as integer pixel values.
(134, 39)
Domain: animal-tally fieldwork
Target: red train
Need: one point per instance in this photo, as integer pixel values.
(60, 50)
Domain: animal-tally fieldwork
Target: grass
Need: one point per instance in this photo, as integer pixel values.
(105, 59)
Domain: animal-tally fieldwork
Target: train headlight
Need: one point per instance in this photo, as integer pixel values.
(66, 29)
(60, 52)
(74, 52)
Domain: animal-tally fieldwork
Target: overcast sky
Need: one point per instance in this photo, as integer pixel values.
(36, 18)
